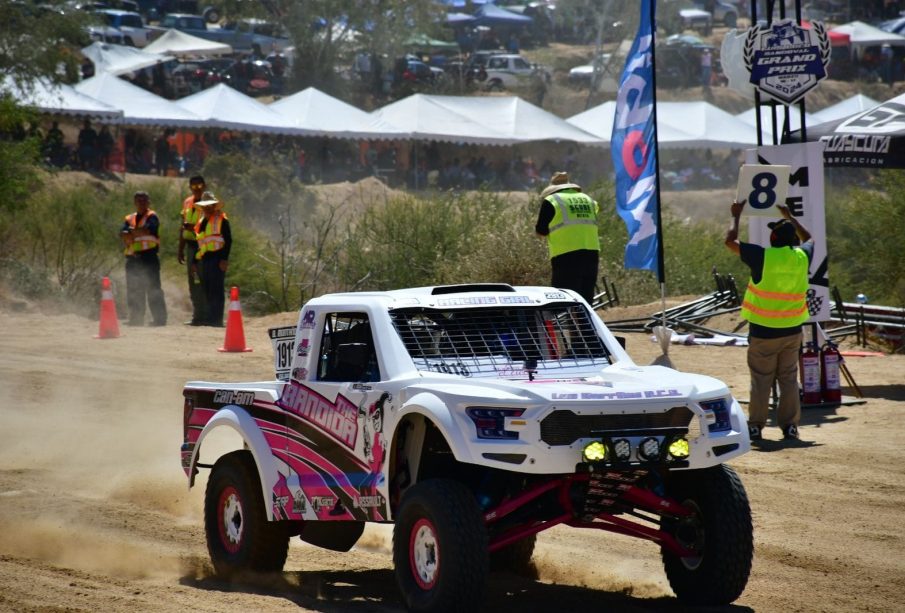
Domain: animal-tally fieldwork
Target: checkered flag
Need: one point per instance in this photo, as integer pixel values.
(814, 301)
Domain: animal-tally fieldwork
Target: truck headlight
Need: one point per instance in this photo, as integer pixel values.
(716, 412)
(490, 422)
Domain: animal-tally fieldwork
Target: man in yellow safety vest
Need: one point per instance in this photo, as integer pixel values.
(212, 259)
(141, 237)
(775, 306)
(188, 247)
(568, 218)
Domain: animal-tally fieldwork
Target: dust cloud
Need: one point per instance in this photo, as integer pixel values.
(624, 565)
(79, 545)
(101, 465)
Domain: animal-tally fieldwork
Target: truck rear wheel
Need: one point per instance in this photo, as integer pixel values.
(440, 548)
(239, 537)
(719, 531)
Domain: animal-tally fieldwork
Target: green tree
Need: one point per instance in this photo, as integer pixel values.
(864, 237)
(41, 41)
(327, 34)
(411, 241)
(36, 43)
(18, 157)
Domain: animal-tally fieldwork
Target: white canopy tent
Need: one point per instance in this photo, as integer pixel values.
(139, 107)
(315, 113)
(488, 120)
(680, 125)
(599, 120)
(861, 34)
(424, 118)
(174, 42)
(119, 59)
(223, 107)
(849, 106)
(46, 97)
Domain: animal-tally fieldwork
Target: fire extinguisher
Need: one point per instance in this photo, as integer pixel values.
(809, 362)
(829, 379)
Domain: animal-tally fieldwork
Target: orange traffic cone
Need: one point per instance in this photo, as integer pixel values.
(235, 333)
(109, 324)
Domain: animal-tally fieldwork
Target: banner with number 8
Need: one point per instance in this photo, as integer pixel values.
(762, 187)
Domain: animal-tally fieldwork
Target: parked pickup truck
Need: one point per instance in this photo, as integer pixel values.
(473, 417)
(512, 71)
(243, 36)
(132, 26)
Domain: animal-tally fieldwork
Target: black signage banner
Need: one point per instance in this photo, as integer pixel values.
(874, 138)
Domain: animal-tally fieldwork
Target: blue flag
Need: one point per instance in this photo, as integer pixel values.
(633, 147)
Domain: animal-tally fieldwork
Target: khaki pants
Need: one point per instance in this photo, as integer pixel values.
(769, 359)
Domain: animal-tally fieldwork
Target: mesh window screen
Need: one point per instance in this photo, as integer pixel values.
(500, 341)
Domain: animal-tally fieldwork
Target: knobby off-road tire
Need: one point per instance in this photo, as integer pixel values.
(239, 537)
(720, 531)
(440, 548)
(515, 558)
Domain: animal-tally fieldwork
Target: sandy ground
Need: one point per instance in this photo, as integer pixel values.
(95, 514)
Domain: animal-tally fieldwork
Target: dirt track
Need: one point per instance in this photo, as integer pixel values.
(95, 514)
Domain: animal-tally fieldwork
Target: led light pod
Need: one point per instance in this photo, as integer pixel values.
(595, 451)
(622, 449)
(679, 448)
(649, 449)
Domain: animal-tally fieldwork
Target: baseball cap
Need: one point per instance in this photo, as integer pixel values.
(782, 233)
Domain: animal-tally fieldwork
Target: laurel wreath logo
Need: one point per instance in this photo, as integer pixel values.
(750, 41)
(823, 42)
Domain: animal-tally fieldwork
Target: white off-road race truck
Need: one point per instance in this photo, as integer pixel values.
(472, 417)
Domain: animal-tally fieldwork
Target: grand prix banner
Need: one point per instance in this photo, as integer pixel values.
(806, 203)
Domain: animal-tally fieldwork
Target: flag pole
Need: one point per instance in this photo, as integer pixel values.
(661, 275)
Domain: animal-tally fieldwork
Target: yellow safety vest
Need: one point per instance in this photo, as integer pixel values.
(779, 300)
(574, 223)
(210, 239)
(190, 215)
(140, 243)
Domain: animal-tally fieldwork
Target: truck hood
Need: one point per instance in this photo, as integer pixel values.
(613, 384)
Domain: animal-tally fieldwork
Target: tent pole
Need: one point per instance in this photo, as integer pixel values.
(775, 121)
(757, 99)
(801, 105)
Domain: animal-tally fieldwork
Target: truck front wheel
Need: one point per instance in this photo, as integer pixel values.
(440, 548)
(719, 531)
(239, 537)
